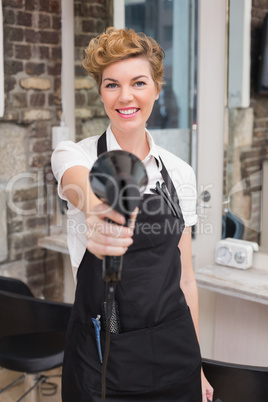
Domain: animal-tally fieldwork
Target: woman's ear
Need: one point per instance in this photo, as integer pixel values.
(157, 91)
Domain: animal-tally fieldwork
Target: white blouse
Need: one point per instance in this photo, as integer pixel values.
(84, 153)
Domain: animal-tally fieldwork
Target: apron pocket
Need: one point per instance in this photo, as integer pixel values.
(139, 361)
(176, 351)
(130, 361)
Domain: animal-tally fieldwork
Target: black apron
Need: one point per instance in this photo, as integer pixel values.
(156, 357)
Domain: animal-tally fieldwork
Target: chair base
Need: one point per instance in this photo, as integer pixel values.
(36, 386)
(12, 383)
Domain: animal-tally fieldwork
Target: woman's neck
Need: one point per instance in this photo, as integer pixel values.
(134, 142)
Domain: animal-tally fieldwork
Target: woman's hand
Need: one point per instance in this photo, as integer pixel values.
(105, 238)
(207, 390)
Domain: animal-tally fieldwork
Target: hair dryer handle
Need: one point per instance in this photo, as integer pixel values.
(112, 265)
(112, 268)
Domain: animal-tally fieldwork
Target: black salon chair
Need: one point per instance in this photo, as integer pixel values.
(14, 285)
(232, 226)
(237, 383)
(32, 334)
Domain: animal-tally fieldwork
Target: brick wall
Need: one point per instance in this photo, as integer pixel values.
(32, 66)
(90, 19)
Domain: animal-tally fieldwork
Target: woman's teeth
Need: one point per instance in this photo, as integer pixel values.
(128, 111)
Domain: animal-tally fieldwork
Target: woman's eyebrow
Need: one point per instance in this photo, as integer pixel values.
(132, 79)
(110, 79)
(139, 76)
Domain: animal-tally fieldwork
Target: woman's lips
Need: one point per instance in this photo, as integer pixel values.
(128, 113)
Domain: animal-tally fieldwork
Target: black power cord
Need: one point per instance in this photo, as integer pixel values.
(110, 300)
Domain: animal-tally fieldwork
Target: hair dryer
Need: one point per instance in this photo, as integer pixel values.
(118, 178)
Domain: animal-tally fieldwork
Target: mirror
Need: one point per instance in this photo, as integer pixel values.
(173, 122)
(2, 101)
(246, 137)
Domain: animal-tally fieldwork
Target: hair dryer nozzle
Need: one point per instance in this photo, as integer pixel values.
(119, 179)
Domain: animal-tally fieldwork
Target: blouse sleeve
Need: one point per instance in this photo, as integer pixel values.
(69, 154)
(187, 195)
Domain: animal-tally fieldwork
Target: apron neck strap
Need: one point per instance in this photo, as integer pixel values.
(102, 144)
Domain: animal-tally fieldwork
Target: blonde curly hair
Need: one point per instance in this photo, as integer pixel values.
(118, 44)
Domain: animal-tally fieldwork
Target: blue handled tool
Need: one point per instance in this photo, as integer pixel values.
(97, 326)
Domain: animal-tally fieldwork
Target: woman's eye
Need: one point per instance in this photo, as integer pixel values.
(111, 85)
(139, 84)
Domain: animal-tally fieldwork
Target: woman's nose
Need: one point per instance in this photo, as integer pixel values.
(125, 95)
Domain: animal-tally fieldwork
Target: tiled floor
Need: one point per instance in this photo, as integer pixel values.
(15, 392)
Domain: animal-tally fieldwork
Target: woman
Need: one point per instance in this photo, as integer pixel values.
(156, 356)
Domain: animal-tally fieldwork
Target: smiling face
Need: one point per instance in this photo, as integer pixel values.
(128, 93)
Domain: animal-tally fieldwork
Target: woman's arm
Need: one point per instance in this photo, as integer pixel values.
(76, 188)
(103, 238)
(189, 288)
